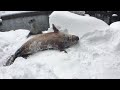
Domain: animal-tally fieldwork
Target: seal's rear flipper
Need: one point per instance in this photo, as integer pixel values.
(13, 57)
(10, 60)
(55, 29)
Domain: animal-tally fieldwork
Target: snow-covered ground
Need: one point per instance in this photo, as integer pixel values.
(96, 56)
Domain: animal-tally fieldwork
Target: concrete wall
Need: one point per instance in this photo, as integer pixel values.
(20, 21)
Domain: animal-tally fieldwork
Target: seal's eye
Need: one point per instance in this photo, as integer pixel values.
(31, 21)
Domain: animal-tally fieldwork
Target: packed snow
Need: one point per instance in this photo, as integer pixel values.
(96, 56)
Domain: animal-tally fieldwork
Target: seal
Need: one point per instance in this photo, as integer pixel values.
(53, 40)
(33, 31)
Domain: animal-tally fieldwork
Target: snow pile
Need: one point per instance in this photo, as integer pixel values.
(0, 21)
(96, 56)
(115, 25)
(76, 24)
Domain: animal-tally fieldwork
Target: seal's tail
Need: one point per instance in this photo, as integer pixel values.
(12, 58)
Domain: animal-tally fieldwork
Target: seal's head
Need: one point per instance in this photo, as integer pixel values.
(73, 39)
(67, 39)
(70, 40)
(31, 21)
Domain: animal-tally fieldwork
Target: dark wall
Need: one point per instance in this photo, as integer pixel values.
(20, 21)
(105, 15)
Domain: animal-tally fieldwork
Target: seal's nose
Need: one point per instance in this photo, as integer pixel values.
(77, 38)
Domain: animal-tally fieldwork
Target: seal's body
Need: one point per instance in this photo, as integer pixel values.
(54, 40)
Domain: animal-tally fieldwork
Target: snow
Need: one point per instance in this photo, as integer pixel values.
(2, 13)
(76, 24)
(10, 42)
(97, 56)
(0, 20)
(114, 15)
(115, 25)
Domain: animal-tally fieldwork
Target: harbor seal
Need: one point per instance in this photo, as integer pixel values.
(33, 28)
(53, 40)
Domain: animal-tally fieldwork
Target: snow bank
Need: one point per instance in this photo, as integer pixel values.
(96, 56)
(76, 24)
(115, 25)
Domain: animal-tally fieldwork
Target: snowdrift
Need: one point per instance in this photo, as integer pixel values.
(115, 25)
(76, 24)
(96, 56)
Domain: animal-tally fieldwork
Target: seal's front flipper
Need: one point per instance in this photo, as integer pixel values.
(64, 51)
(61, 47)
(28, 35)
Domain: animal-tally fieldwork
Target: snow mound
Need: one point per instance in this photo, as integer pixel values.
(76, 24)
(115, 25)
(96, 56)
